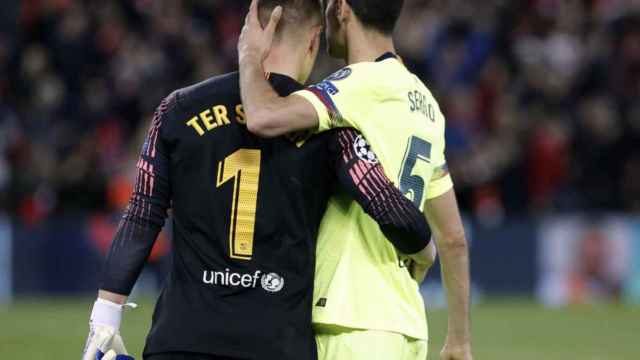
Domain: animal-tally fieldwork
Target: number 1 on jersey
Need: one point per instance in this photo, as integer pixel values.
(243, 166)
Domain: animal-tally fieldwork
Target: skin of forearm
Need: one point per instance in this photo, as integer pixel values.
(268, 114)
(259, 99)
(454, 259)
(113, 297)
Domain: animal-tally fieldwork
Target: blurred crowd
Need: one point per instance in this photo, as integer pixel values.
(541, 96)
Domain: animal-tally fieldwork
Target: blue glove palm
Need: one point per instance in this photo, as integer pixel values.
(101, 356)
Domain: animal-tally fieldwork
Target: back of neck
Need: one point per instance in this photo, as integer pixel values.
(279, 63)
(367, 45)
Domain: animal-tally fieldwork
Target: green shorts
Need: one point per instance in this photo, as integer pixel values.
(340, 343)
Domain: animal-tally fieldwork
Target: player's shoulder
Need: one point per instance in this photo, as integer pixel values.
(187, 100)
(349, 82)
(353, 74)
(370, 77)
(382, 70)
(226, 86)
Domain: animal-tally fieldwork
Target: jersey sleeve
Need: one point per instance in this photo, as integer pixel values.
(339, 98)
(146, 213)
(440, 181)
(362, 176)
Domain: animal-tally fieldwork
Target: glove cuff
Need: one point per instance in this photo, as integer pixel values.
(106, 313)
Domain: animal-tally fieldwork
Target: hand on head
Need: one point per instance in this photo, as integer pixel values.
(255, 42)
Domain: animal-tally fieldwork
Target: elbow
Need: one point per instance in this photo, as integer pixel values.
(261, 123)
(258, 126)
(454, 242)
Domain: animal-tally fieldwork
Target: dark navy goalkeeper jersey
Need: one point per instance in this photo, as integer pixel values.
(246, 213)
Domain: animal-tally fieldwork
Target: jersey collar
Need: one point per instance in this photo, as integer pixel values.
(283, 84)
(387, 55)
(274, 77)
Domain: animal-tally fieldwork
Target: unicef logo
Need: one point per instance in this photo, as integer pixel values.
(272, 282)
(363, 150)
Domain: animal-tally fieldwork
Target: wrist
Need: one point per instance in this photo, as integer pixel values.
(458, 340)
(251, 59)
(106, 313)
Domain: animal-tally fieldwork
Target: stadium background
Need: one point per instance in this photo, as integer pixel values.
(541, 98)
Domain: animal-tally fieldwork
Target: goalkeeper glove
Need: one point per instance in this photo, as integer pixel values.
(111, 355)
(104, 341)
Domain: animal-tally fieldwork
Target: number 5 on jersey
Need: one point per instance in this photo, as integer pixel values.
(413, 185)
(243, 167)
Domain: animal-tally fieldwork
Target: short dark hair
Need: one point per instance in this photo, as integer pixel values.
(380, 15)
(295, 12)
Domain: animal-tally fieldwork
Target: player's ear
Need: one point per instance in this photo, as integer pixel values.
(314, 41)
(343, 10)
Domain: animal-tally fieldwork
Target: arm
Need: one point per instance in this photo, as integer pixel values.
(113, 297)
(444, 218)
(144, 217)
(362, 177)
(133, 241)
(268, 114)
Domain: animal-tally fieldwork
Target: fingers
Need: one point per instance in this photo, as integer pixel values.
(455, 355)
(276, 14)
(247, 19)
(118, 345)
(447, 356)
(103, 338)
(100, 339)
(418, 271)
(90, 353)
(255, 41)
(110, 355)
(252, 16)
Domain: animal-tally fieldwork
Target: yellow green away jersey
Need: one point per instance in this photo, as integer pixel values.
(361, 280)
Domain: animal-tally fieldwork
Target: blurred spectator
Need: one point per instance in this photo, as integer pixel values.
(540, 95)
(590, 281)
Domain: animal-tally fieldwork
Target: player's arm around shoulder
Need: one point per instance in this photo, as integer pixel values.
(343, 98)
(280, 115)
(318, 108)
(444, 219)
(331, 103)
